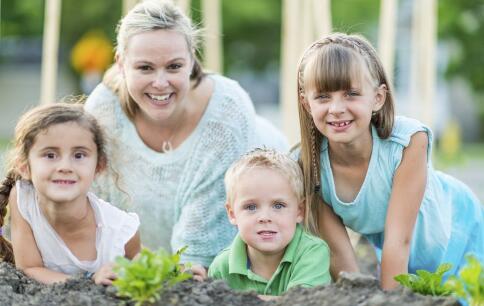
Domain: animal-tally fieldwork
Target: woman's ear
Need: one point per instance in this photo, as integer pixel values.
(380, 97)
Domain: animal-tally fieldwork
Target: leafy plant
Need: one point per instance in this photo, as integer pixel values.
(425, 282)
(470, 283)
(144, 278)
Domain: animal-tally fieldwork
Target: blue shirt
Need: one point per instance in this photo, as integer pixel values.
(450, 221)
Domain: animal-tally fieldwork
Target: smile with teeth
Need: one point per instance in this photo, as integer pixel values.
(266, 233)
(64, 182)
(159, 97)
(340, 124)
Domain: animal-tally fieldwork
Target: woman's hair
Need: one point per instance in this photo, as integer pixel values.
(31, 124)
(147, 16)
(266, 159)
(332, 64)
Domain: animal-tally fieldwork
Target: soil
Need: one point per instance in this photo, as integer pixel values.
(351, 289)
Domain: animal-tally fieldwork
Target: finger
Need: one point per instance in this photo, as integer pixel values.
(106, 282)
(198, 278)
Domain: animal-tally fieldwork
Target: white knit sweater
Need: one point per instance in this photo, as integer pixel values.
(179, 195)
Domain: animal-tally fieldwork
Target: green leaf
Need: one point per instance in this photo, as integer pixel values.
(144, 278)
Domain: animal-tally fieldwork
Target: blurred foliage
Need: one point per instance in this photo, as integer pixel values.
(462, 23)
(21, 18)
(25, 18)
(252, 28)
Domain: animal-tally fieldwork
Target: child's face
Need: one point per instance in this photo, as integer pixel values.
(266, 210)
(344, 116)
(62, 163)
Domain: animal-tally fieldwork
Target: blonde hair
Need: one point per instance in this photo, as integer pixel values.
(150, 16)
(28, 127)
(268, 159)
(331, 64)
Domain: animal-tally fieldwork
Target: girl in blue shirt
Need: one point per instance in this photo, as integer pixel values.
(368, 170)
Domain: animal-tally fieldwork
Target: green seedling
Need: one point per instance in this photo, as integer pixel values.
(469, 286)
(425, 282)
(144, 278)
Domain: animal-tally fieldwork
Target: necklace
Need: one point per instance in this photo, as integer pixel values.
(166, 145)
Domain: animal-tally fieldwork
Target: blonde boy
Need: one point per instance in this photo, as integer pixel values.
(271, 252)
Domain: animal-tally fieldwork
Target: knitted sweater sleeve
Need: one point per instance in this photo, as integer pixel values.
(202, 221)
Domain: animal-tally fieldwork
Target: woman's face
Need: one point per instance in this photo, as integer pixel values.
(156, 66)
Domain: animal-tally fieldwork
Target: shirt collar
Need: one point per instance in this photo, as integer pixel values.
(238, 252)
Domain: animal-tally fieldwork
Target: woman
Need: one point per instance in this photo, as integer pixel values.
(175, 130)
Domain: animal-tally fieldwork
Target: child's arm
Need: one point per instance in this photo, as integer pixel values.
(133, 246)
(26, 253)
(407, 192)
(333, 231)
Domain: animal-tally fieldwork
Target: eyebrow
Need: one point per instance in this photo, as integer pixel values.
(137, 62)
(74, 148)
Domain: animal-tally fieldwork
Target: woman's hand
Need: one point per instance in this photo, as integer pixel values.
(105, 275)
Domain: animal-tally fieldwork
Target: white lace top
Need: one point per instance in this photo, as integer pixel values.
(114, 229)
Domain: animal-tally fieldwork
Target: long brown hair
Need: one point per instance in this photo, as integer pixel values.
(331, 64)
(28, 127)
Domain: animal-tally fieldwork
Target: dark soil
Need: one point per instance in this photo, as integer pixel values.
(352, 289)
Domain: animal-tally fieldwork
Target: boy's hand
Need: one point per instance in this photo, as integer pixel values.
(198, 271)
(105, 275)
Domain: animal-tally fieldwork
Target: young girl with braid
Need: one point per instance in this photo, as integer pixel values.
(59, 228)
(368, 170)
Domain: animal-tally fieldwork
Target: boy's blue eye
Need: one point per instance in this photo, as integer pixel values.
(353, 93)
(250, 207)
(279, 205)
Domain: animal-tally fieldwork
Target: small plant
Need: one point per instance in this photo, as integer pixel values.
(144, 278)
(425, 282)
(470, 283)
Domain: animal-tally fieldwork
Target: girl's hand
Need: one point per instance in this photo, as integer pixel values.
(198, 271)
(105, 275)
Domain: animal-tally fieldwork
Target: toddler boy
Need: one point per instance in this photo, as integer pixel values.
(272, 252)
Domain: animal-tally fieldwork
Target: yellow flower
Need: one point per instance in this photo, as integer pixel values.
(93, 52)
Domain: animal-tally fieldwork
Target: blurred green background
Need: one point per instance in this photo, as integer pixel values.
(251, 44)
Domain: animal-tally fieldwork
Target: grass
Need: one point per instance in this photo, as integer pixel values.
(469, 151)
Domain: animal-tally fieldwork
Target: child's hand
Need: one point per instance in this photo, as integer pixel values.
(198, 271)
(105, 275)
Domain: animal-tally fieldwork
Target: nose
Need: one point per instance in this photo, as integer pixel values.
(337, 105)
(65, 165)
(160, 81)
(264, 217)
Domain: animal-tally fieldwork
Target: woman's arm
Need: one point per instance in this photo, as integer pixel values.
(27, 255)
(407, 192)
(333, 231)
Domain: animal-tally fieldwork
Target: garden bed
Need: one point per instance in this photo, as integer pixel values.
(352, 289)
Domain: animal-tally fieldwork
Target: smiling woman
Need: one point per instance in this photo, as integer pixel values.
(174, 131)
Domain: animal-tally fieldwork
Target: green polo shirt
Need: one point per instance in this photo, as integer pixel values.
(305, 263)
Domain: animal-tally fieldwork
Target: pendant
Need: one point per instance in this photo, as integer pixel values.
(166, 146)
